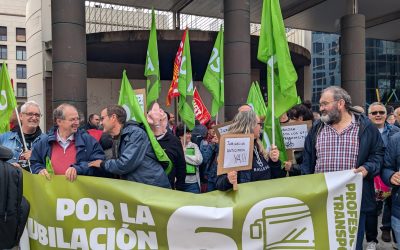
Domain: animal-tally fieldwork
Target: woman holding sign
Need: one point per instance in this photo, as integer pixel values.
(265, 166)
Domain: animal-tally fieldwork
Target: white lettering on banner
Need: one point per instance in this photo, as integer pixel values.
(3, 95)
(66, 207)
(294, 136)
(342, 209)
(196, 109)
(123, 238)
(184, 235)
(262, 222)
(237, 152)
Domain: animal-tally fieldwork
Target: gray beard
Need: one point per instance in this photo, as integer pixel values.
(332, 117)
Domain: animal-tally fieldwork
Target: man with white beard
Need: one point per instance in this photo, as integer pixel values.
(343, 140)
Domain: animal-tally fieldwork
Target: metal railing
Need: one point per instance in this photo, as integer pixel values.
(101, 17)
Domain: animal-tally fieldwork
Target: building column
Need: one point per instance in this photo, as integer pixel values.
(352, 50)
(236, 54)
(69, 53)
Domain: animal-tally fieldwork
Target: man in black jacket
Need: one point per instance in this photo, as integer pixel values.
(157, 119)
(344, 140)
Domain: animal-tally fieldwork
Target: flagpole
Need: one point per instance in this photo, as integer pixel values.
(216, 119)
(184, 135)
(273, 98)
(23, 137)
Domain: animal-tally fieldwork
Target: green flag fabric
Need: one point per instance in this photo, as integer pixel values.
(49, 166)
(300, 212)
(256, 100)
(214, 77)
(152, 68)
(273, 49)
(128, 100)
(185, 86)
(7, 99)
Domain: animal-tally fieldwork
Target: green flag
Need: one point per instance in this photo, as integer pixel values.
(7, 100)
(214, 77)
(273, 49)
(49, 166)
(128, 100)
(185, 86)
(256, 100)
(152, 68)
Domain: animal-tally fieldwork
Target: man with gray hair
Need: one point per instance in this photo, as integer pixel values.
(377, 113)
(30, 117)
(344, 140)
(68, 149)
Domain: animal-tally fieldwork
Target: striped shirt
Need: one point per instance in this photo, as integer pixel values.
(337, 151)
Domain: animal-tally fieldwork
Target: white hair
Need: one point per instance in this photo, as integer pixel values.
(27, 104)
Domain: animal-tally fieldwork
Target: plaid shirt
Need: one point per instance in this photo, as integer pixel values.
(337, 151)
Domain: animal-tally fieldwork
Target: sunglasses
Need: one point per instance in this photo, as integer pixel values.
(378, 112)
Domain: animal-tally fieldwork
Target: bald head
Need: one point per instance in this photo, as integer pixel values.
(245, 108)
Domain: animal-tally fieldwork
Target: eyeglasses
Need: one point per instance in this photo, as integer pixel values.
(324, 104)
(377, 112)
(37, 115)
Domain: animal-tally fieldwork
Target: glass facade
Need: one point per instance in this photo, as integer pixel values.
(383, 71)
(325, 63)
(382, 68)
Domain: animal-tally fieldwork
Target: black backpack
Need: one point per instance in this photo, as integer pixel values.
(14, 209)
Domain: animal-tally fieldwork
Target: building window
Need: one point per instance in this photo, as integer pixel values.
(3, 33)
(21, 71)
(21, 53)
(3, 51)
(21, 36)
(21, 89)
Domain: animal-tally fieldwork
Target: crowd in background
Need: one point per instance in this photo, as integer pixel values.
(107, 145)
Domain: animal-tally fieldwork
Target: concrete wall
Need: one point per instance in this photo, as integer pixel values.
(12, 16)
(103, 92)
(38, 31)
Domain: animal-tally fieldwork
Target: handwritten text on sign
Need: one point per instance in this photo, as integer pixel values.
(237, 152)
(223, 130)
(294, 136)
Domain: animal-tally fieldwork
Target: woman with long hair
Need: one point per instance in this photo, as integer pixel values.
(266, 165)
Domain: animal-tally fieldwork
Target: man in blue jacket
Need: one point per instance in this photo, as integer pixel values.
(343, 140)
(377, 114)
(391, 176)
(68, 149)
(30, 118)
(133, 155)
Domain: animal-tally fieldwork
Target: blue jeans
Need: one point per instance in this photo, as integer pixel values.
(361, 231)
(191, 188)
(396, 229)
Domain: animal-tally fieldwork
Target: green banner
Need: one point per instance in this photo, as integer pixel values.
(307, 212)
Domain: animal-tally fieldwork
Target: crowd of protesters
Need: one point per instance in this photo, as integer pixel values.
(342, 137)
